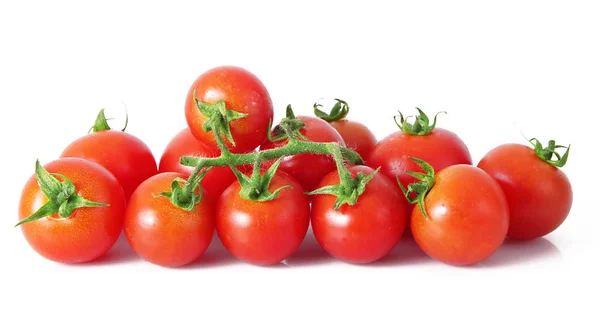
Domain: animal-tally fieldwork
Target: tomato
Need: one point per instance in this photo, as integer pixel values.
(356, 136)
(309, 169)
(263, 233)
(90, 231)
(539, 194)
(163, 233)
(185, 144)
(467, 216)
(365, 232)
(124, 155)
(242, 92)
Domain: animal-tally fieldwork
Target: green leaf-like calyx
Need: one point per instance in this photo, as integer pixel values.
(219, 117)
(547, 153)
(183, 195)
(256, 187)
(339, 111)
(349, 190)
(288, 128)
(415, 192)
(101, 123)
(420, 127)
(62, 197)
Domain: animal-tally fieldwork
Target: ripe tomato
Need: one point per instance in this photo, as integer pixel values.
(242, 92)
(124, 155)
(163, 233)
(309, 169)
(467, 216)
(185, 144)
(365, 232)
(267, 232)
(539, 195)
(356, 136)
(90, 231)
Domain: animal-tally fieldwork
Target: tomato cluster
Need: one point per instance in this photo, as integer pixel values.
(260, 186)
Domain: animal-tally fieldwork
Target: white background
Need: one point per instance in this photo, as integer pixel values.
(497, 69)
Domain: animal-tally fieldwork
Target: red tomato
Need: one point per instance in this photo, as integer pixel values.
(162, 233)
(268, 232)
(123, 154)
(356, 136)
(539, 195)
(365, 232)
(242, 92)
(309, 169)
(467, 216)
(90, 231)
(185, 144)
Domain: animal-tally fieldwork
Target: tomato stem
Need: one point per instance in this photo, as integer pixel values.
(420, 127)
(339, 111)
(547, 153)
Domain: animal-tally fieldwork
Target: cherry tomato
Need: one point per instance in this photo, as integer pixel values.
(539, 195)
(263, 233)
(467, 216)
(163, 233)
(356, 136)
(309, 169)
(365, 232)
(185, 144)
(242, 92)
(124, 155)
(90, 231)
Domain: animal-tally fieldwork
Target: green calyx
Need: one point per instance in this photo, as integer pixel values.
(183, 193)
(219, 117)
(547, 153)
(420, 127)
(101, 123)
(256, 187)
(288, 128)
(349, 189)
(62, 197)
(339, 111)
(415, 192)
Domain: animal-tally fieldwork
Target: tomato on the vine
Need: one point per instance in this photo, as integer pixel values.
(364, 232)
(77, 209)
(163, 233)
(539, 194)
(185, 144)
(244, 95)
(124, 155)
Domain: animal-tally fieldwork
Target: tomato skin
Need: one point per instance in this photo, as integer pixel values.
(467, 216)
(263, 233)
(162, 233)
(185, 144)
(356, 136)
(243, 92)
(309, 169)
(539, 195)
(440, 149)
(124, 155)
(365, 232)
(89, 232)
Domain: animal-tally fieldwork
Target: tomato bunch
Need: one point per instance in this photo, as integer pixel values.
(260, 187)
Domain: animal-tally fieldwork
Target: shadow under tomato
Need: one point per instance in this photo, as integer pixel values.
(309, 253)
(215, 256)
(406, 252)
(120, 253)
(519, 252)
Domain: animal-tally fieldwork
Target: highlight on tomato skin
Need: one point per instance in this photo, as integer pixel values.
(89, 232)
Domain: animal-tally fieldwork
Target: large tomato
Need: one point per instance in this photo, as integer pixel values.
(124, 155)
(366, 231)
(467, 216)
(309, 169)
(163, 233)
(88, 232)
(185, 144)
(539, 194)
(268, 232)
(242, 92)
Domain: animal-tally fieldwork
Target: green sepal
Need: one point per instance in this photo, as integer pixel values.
(547, 153)
(420, 127)
(347, 192)
(256, 187)
(219, 117)
(62, 197)
(183, 197)
(420, 188)
(101, 122)
(339, 111)
(288, 128)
